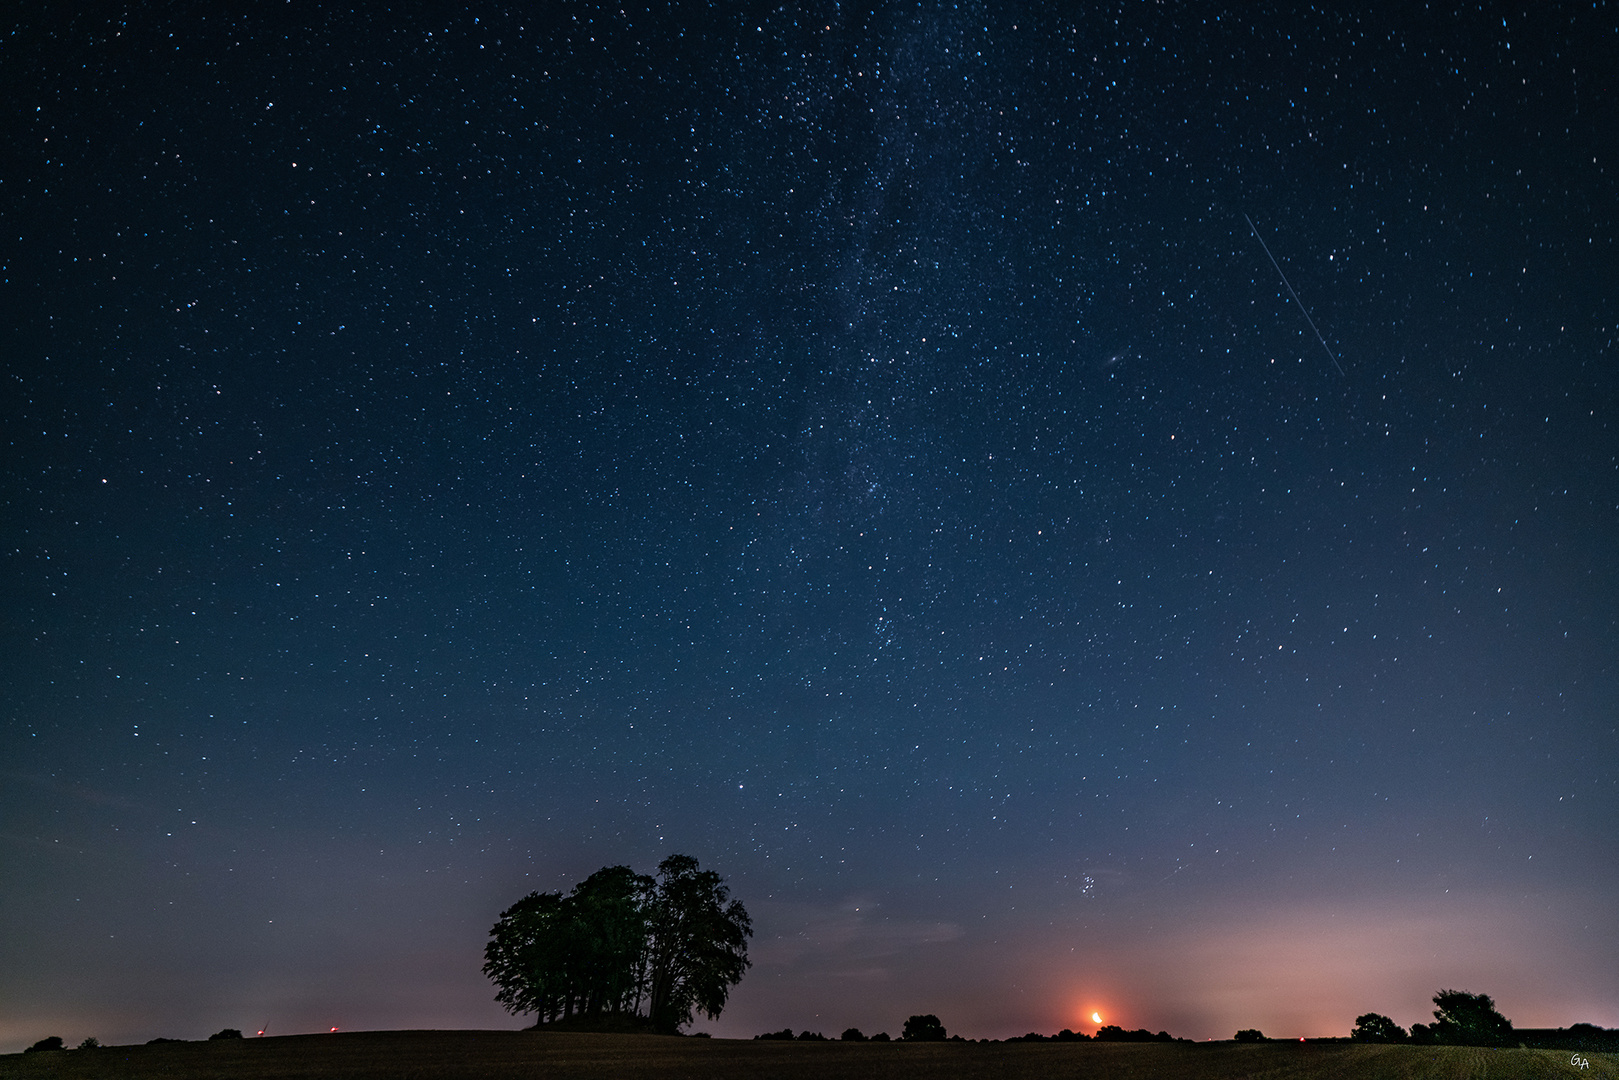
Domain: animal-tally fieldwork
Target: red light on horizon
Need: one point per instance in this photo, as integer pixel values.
(334, 1029)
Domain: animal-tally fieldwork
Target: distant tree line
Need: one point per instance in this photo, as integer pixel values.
(925, 1027)
(1114, 1033)
(1466, 1019)
(1105, 1033)
(55, 1042)
(622, 946)
(1460, 1019)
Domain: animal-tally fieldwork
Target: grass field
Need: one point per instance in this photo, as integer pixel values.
(509, 1055)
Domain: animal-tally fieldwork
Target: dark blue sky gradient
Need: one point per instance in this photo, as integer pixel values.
(445, 455)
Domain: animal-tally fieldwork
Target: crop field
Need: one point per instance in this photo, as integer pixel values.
(509, 1055)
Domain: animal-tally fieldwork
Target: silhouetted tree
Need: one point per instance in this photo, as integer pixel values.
(619, 943)
(528, 956)
(52, 1042)
(924, 1028)
(881, 1036)
(228, 1033)
(1250, 1035)
(784, 1033)
(1377, 1028)
(852, 1035)
(812, 1036)
(609, 935)
(697, 944)
(1463, 1019)
(90, 1043)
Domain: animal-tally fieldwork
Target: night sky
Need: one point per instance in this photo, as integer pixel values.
(871, 453)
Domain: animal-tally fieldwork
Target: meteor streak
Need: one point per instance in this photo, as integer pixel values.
(1294, 295)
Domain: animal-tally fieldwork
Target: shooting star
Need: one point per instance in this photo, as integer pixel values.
(1294, 295)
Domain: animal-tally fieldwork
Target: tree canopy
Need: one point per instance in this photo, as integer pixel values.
(623, 945)
(1464, 1019)
(1377, 1028)
(923, 1028)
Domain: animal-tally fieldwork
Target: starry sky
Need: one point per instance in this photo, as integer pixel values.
(1066, 507)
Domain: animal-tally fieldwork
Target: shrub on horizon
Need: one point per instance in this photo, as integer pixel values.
(1251, 1035)
(90, 1043)
(881, 1036)
(228, 1033)
(852, 1035)
(50, 1042)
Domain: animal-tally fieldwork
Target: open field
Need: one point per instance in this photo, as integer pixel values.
(498, 1055)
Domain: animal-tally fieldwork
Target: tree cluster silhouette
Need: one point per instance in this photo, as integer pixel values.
(1460, 1019)
(623, 946)
(1377, 1028)
(923, 1028)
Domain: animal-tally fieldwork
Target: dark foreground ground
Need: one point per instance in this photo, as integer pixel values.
(499, 1055)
